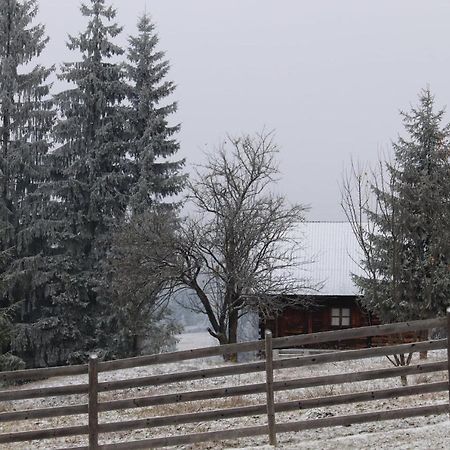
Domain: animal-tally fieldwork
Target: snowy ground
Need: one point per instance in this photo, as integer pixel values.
(417, 433)
(195, 338)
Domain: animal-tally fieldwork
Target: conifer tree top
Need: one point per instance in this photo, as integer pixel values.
(28, 41)
(94, 40)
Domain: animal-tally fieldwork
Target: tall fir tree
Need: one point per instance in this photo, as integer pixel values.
(152, 141)
(26, 118)
(410, 244)
(138, 319)
(88, 188)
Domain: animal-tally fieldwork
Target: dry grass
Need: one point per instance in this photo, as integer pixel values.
(4, 406)
(214, 404)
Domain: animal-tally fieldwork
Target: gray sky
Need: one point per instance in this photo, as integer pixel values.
(329, 76)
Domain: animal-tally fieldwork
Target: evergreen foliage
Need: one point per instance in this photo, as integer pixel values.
(151, 138)
(139, 320)
(26, 118)
(409, 256)
(88, 187)
(109, 163)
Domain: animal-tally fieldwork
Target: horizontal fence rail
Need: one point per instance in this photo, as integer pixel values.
(165, 358)
(182, 397)
(268, 409)
(294, 405)
(41, 413)
(233, 391)
(350, 355)
(50, 433)
(237, 369)
(140, 402)
(23, 394)
(280, 428)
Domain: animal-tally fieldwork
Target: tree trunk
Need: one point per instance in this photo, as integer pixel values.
(233, 319)
(401, 360)
(232, 326)
(134, 349)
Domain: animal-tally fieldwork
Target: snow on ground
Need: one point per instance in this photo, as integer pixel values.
(416, 433)
(194, 338)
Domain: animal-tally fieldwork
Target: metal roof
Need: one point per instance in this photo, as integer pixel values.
(334, 252)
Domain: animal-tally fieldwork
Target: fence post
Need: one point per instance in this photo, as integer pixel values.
(269, 389)
(93, 402)
(448, 353)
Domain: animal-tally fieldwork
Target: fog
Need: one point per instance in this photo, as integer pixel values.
(329, 77)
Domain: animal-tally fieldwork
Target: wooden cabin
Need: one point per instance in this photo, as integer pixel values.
(334, 252)
(324, 313)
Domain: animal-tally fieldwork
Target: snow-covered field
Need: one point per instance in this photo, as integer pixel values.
(195, 338)
(417, 433)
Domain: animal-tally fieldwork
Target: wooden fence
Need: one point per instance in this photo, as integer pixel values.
(269, 409)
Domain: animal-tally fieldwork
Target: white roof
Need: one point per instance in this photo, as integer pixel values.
(335, 253)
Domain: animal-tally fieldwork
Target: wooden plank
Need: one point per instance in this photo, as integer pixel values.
(9, 395)
(235, 434)
(184, 355)
(295, 405)
(348, 355)
(224, 392)
(42, 434)
(357, 397)
(74, 448)
(46, 372)
(359, 376)
(269, 390)
(289, 341)
(351, 333)
(259, 366)
(204, 416)
(156, 380)
(93, 403)
(56, 411)
(21, 394)
(164, 399)
(362, 418)
(49, 433)
(181, 397)
(280, 428)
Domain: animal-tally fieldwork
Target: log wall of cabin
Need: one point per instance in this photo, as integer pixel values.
(297, 320)
(317, 318)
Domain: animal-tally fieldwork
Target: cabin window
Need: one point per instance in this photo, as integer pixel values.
(340, 317)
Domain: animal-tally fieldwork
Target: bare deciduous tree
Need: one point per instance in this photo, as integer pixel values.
(367, 194)
(239, 250)
(140, 283)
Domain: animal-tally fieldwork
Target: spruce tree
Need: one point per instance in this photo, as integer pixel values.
(152, 141)
(88, 186)
(138, 316)
(411, 240)
(26, 117)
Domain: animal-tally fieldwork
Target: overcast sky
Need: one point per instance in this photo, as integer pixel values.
(329, 76)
